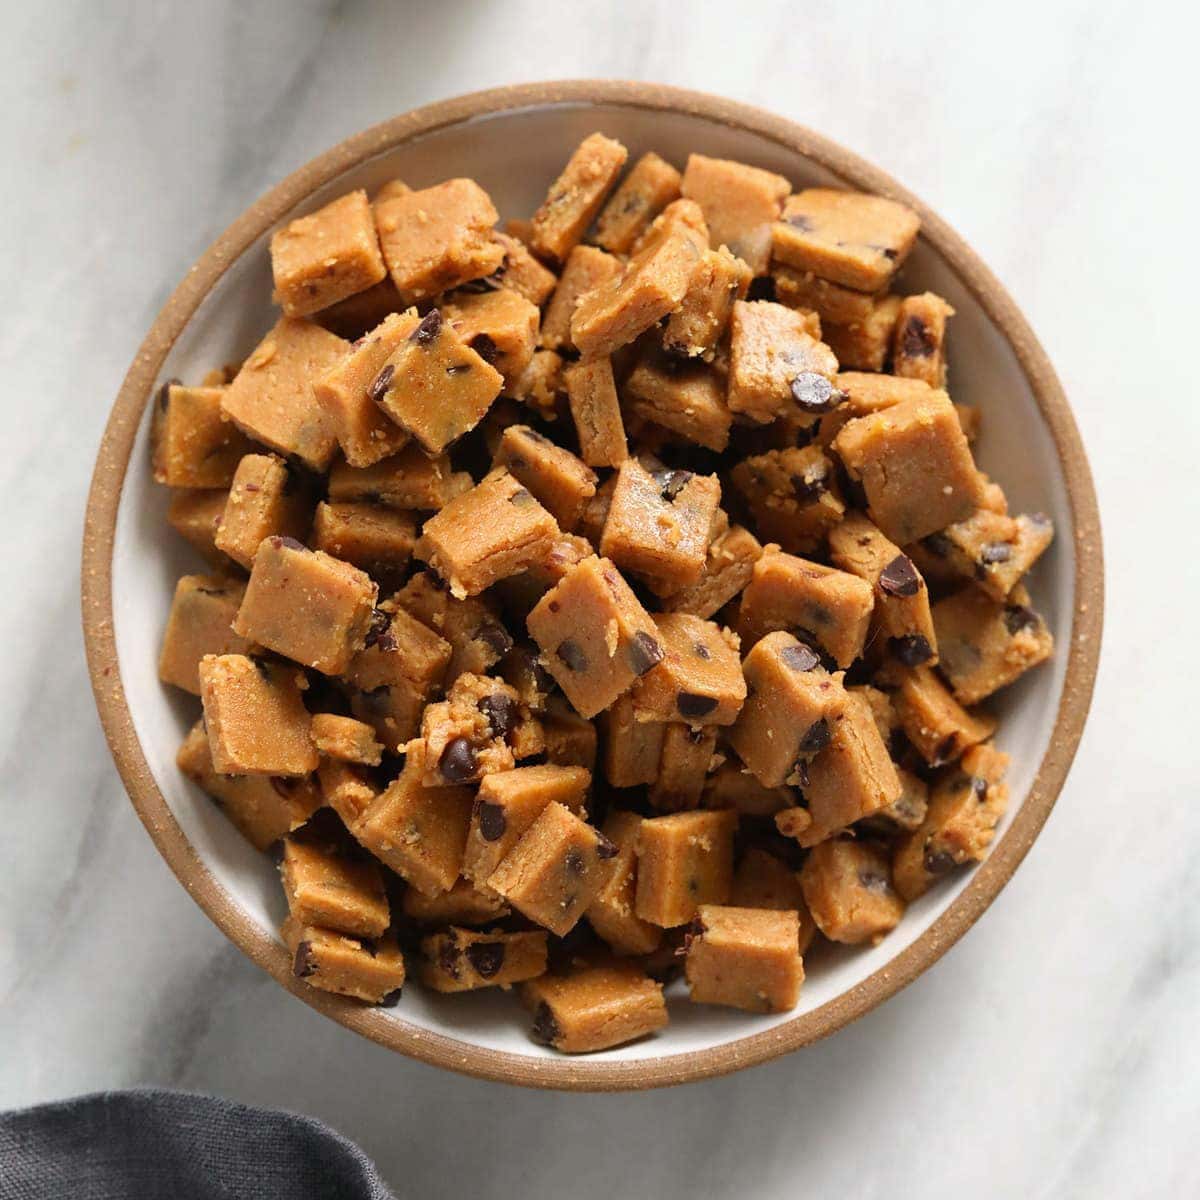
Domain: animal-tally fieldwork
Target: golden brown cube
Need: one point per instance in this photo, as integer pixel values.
(463, 960)
(746, 958)
(835, 304)
(649, 187)
(632, 748)
(501, 326)
(936, 724)
(555, 476)
(575, 196)
(586, 269)
(684, 860)
(570, 740)
(373, 538)
(266, 500)
(345, 790)
(193, 447)
(792, 495)
(200, 623)
(919, 339)
(612, 913)
(866, 344)
(522, 273)
(345, 965)
(410, 479)
(345, 739)
(596, 411)
(728, 567)
(687, 755)
(992, 549)
(686, 398)
(848, 888)
(698, 681)
(764, 881)
(697, 325)
(331, 883)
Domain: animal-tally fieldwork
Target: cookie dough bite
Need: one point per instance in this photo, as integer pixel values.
(764, 881)
(649, 187)
(935, 723)
(747, 958)
(826, 608)
(965, 807)
(792, 496)
(467, 735)
(261, 808)
(400, 649)
(256, 720)
(848, 888)
(740, 203)
(851, 238)
(687, 754)
(437, 238)
(864, 345)
(575, 197)
(570, 740)
(687, 399)
(345, 789)
(728, 567)
(914, 465)
(345, 739)
(553, 872)
(596, 411)
(988, 644)
(464, 960)
(697, 325)
(657, 525)
(632, 747)
(501, 326)
(373, 538)
(463, 905)
(267, 499)
(330, 883)
(731, 785)
(595, 1006)
(191, 445)
(522, 671)
(992, 549)
(555, 476)
(919, 339)
(326, 256)
(901, 612)
(611, 914)
(684, 859)
(585, 270)
(200, 623)
(776, 365)
(419, 832)
(699, 680)
(347, 966)
(271, 399)
(522, 273)
(472, 625)
(195, 514)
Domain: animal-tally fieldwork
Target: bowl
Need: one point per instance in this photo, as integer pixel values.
(513, 140)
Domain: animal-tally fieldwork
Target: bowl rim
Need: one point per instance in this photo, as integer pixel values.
(582, 1074)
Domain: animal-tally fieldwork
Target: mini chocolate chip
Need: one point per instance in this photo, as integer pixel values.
(377, 699)
(979, 786)
(693, 706)
(304, 965)
(695, 929)
(542, 679)
(701, 650)
(695, 736)
(888, 252)
(545, 1027)
(911, 649)
(1018, 617)
(762, 287)
(644, 653)
(379, 385)
(522, 498)
(573, 861)
(495, 637)
(811, 485)
(917, 340)
(995, 552)
(938, 862)
(164, 392)
(814, 393)
(800, 658)
(275, 849)
(605, 848)
(378, 632)
(251, 487)
(801, 222)
(448, 956)
(456, 369)
(900, 577)
(572, 655)
(501, 712)
(486, 957)
(279, 541)
(492, 821)
(458, 761)
(391, 999)
(671, 483)
(816, 737)
(429, 328)
(485, 347)
(938, 543)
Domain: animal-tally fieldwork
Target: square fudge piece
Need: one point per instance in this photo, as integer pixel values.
(267, 499)
(495, 530)
(462, 905)
(553, 872)
(848, 889)
(437, 238)
(866, 344)
(326, 256)
(728, 567)
(346, 966)
(792, 495)
(596, 411)
(919, 340)
(851, 238)
(684, 860)
(698, 324)
(594, 635)
(471, 625)
(740, 204)
(937, 725)
(410, 479)
(520, 272)
(200, 623)
(648, 188)
(686, 398)
(555, 476)
(195, 514)
(776, 366)
(307, 606)
(541, 388)
(330, 882)
(792, 705)
(575, 196)
(699, 680)
(687, 755)
(914, 465)
(434, 386)
(632, 749)
(501, 326)
(345, 739)
(992, 549)
(826, 608)
(463, 960)
(271, 398)
(596, 1006)
(375, 539)
(746, 958)
(658, 525)
(399, 648)
(585, 270)
(192, 445)
(257, 723)
(611, 914)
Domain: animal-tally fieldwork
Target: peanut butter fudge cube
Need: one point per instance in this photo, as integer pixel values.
(348, 393)
(746, 958)
(585, 270)
(400, 649)
(851, 238)
(687, 754)
(632, 748)
(728, 567)
(988, 644)
(347, 966)
(419, 832)
(914, 465)
(848, 888)
(575, 196)
(570, 740)
(594, 635)
(345, 789)
(657, 526)
(200, 623)
(437, 238)
(732, 786)
(345, 739)
(256, 720)
(434, 386)
(697, 325)
(686, 398)
(272, 400)
(307, 606)
(824, 607)
(965, 807)
(649, 187)
(409, 479)
(776, 366)
(792, 495)
(495, 530)
(864, 345)
(192, 445)
(595, 1007)
(463, 904)
(329, 882)
(901, 611)
(685, 859)
(596, 411)
(501, 326)
(791, 707)
(261, 808)
(266, 500)
(740, 204)
(553, 872)
(919, 339)
(764, 881)
(195, 514)
(467, 734)
(992, 549)
(463, 960)
(472, 625)
(936, 724)
(520, 272)
(832, 302)
(612, 913)
(555, 476)
(373, 538)
(326, 256)
(699, 680)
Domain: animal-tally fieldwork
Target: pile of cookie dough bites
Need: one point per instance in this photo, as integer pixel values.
(603, 597)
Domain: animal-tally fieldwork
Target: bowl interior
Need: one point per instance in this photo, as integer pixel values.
(514, 154)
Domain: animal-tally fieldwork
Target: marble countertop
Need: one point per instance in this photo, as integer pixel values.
(1055, 1051)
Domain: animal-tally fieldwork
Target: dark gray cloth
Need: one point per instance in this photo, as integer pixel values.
(160, 1145)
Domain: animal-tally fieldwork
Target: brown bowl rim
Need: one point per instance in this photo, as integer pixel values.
(577, 1074)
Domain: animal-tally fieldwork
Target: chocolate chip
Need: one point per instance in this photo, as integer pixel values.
(492, 821)
(545, 1027)
(488, 283)
(448, 956)
(429, 328)
(939, 544)
(605, 848)
(495, 637)
(671, 483)
(542, 679)
(995, 552)
(380, 384)
(762, 287)
(275, 849)
(814, 393)
(801, 222)
(800, 767)
(573, 861)
(572, 655)
(391, 999)
(938, 862)
(916, 341)
(979, 786)
(816, 737)
(279, 541)
(304, 965)
(644, 653)
(164, 392)
(522, 498)
(900, 577)
(501, 712)
(701, 651)
(379, 631)
(812, 484)
(485, 347)
(800, 658)
(456, 369)
(458, 761)
(693, 706)
(1018, 617)
(486, 957)
(911, 649)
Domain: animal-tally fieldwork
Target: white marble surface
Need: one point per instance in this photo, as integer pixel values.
(1055, 1051)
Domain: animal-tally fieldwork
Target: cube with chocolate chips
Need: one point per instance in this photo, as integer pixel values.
(685, 398)
(596, 411)
(472, 625)
(684, 859)
(520, 272)
(463, 960)
(500, 325)
(266, 499)
(848, 888)
(192, 446)
(937, 725)
(575, 196)
(746, 958)
(467, 735)
(992, 549)
(200, 623)
(347, 966)
(555, 476)
(793, 496)
(400, 653)
(699, 680)
(919, 339)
